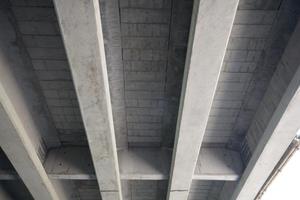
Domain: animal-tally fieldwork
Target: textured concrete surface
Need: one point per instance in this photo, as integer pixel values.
(81, 26)
(37, 23)
(145, 38)
(145, 45)
(211, 25)
(276, 122)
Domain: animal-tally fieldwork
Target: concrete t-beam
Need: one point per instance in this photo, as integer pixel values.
(275, 124)
(81, 28)
(209, 33)
(21, 127)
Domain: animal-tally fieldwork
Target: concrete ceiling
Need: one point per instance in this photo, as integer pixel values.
(145, 45)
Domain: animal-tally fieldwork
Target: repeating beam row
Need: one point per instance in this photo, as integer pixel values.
(209, 34)
(139, 164)
(81, 27)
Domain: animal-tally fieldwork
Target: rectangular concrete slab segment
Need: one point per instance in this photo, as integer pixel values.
(281, 128)
(81, 28)
(144, 164)
(210, 29)
(218, 164)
